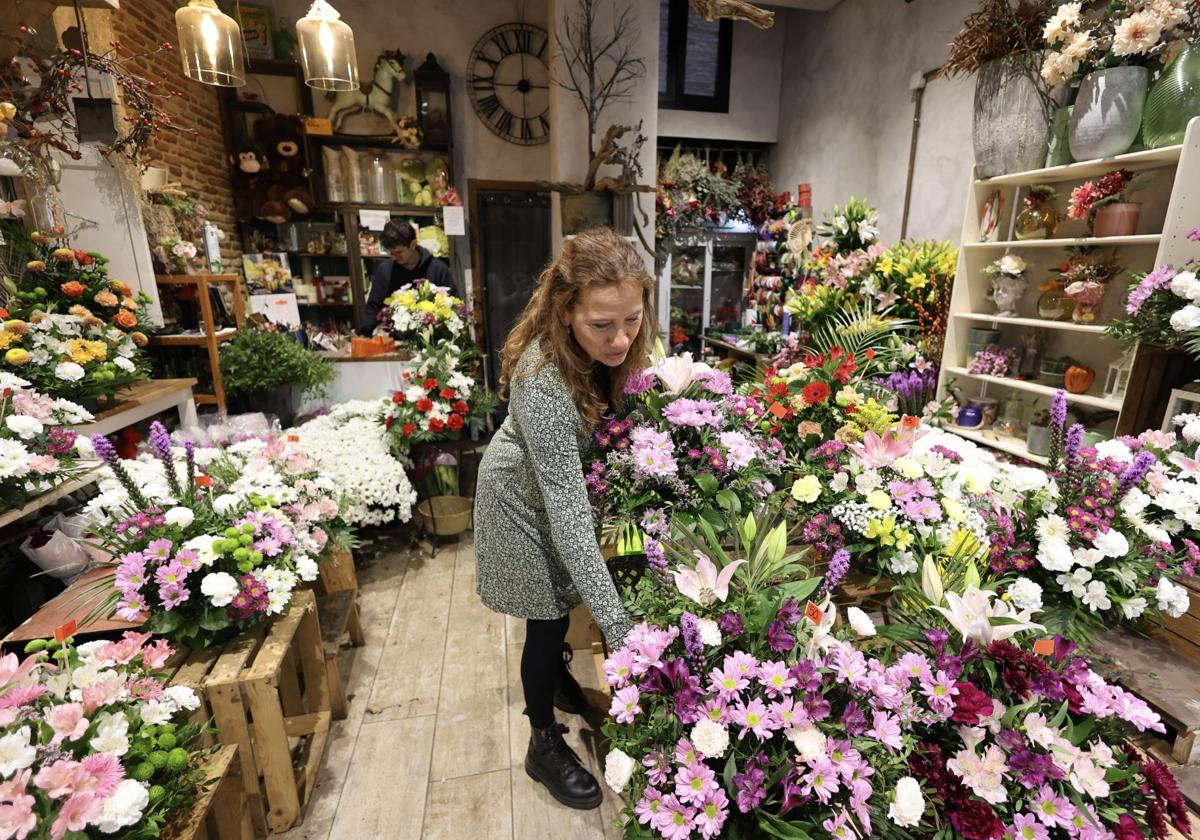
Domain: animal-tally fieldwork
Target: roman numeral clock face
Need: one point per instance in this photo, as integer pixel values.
(509, 82)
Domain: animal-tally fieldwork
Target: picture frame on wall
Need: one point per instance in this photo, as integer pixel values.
(257, 31)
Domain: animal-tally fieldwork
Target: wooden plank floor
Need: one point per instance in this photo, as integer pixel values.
(434, 743)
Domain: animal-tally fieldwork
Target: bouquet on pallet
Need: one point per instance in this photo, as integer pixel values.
(192, 560)
(684, 441)
(36, 452)
(742, 707)
(1099, 539)
(92, 743)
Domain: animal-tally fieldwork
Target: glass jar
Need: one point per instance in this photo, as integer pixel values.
(1174, 100)
(1052, 306)
(378, 180)
(1039, 220)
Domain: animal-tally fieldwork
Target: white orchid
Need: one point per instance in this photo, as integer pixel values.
(973, 614)
(704, 584)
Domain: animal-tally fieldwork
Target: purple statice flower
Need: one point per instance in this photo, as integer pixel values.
(779, 639)
(160, 440)
(1073, 443)
(730, 624)
(693, 647)
(656, 559)
(654, 522)
(790, 613)
(639, 383)
(60, 441)
(1159, 278)
(839, 564)
(1135, 472)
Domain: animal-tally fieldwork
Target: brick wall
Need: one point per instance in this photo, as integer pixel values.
(195, 157)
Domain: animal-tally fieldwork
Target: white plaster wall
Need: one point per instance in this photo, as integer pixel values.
(755, 73)
(449, 29)
(845, 115)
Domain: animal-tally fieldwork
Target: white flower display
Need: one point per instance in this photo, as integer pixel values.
(220, 588)
(124, 808)
(618, 770)
(908, 803)
(1172, 598)
(860, 622)
(69, 371)
(1026, 594)
(23, 426)
(180, 516)
(1186, 319)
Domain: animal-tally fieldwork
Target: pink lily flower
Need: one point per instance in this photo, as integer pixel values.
(704, 584)
(878, 451)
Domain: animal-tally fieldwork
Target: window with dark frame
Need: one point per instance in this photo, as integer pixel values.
(694, 59)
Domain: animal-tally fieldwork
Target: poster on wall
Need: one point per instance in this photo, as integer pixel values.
(256, 31)
(279, 309)
(267, 274)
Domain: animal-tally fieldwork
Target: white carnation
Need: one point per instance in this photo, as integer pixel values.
(1172, 599)
(124, 808)
(1025, 594)
(1116, 450)
(225, 503)
(860, 622)
(1111, 543)
(69, 371)
(710, 738)
(618, 770)
(23, 426)
(220, 588)
(182, 697)
(1186, 319)
(710, 633)
(179, 516)
(908, 806)
(808, 741)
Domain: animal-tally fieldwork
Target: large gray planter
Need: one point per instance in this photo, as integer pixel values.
(1108, 112)
(1010, 130)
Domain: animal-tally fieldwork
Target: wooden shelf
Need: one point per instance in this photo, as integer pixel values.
(76, 603)
(192, 340)
(1096, 241)
(50, 497)
(1147, 159)
(1038, 388)
(141, 401)
(374, 141)
(194, 279)
(1011, 444)
(1071, 326)
(397, 209)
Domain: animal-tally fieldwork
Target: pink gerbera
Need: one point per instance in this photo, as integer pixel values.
(677, 820)
(822, 780)
(75, 815)
(710, 816)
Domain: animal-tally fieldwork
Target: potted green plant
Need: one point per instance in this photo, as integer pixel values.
(268, 371)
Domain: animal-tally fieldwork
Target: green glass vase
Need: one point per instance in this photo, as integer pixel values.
(1174, 99)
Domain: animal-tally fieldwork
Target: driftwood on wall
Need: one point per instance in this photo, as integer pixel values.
(712, 10)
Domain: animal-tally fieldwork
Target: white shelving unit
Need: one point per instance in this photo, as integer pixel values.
(1170, 208)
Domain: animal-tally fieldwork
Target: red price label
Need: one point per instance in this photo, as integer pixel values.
(814, 613)
(1044, 647)
(204, 481)
(778, 410)
(293, 438)
(66, 631)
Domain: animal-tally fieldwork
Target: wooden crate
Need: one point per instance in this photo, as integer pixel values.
(267, 692)
(337, 572)
(221, 812)
(338, 613)
(1182, 634)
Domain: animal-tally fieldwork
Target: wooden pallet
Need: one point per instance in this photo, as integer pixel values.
(267, 693)
(221, 811)
(338, 614)
(1183, 634)
(1161, 677)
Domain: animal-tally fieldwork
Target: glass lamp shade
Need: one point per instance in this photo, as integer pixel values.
(210, 45)
(326, 47)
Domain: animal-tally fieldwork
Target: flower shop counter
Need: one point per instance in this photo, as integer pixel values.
(141, 402)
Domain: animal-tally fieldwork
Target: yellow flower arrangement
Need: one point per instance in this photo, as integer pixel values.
(7, 339)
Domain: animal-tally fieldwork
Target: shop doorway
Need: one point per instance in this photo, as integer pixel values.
(511, 243)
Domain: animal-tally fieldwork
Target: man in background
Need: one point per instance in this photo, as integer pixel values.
(409, 263)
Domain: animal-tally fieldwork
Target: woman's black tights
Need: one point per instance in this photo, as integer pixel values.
(541, 663)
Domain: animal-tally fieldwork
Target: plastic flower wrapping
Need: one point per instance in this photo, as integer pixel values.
(349, 445)
(92, 743)
(439, 402)
(738, 712)
(423, 314)
(36, 452)
(198, 555)
(684, 441)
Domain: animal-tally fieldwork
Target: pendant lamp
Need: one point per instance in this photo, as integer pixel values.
(326, 46)
(210, 44)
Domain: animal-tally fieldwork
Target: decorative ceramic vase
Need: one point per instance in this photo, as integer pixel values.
(1039, 220)
(1108, 112)
(1174, 100)
(1058, 151)
(1010, 128)
(970, 416)
(1117, 219)
(1079, 379)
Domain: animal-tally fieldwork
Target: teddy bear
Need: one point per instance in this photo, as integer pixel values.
(285, 188)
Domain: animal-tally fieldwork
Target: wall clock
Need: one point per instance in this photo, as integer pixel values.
(509, 82)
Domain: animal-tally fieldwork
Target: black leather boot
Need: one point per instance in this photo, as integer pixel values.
(568, 694)
(550, 761)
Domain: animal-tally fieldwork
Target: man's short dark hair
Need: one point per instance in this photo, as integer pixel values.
(397, 233)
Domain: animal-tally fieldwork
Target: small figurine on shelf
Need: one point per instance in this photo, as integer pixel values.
(1008, 283)
(1039, 219)
(1033, 344)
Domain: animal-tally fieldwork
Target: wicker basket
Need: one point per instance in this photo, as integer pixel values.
(446, 516)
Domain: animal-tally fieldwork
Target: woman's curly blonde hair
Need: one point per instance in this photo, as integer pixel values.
(597, 257)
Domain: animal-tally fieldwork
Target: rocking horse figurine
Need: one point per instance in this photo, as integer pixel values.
(382, 97)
